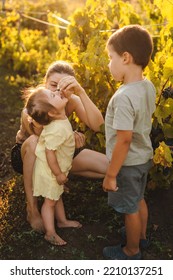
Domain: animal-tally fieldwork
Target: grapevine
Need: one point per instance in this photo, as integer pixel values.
(27, 49)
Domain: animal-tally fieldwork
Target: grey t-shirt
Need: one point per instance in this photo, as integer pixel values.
(131, 108)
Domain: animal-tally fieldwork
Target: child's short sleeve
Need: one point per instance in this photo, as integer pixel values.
(54, 135)
(53, 141)
(123, 113)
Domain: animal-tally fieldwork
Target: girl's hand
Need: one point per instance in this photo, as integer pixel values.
(69, 85)
(110, 184)
(61, 178)
(79, 139)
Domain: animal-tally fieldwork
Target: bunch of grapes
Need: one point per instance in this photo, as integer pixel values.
(168, 92)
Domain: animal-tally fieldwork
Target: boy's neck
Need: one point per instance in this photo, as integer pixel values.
(133, 74)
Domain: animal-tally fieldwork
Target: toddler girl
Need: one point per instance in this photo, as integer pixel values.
(54, 153)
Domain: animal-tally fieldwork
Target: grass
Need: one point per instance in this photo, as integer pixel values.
(88, 205)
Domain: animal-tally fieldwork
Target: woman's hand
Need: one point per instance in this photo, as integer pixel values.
(79, 139)
(110, 184)
(68, 86)
(80, 103)
(61, 178)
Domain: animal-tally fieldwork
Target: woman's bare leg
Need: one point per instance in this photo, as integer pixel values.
(89, 163)
(28, 157)
(47, 212)
(60, 215)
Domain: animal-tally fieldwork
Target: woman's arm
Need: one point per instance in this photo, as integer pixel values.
(35, 128)
(92, 113)
(85, 109)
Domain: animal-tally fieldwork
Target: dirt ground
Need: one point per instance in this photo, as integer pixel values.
(86, 202)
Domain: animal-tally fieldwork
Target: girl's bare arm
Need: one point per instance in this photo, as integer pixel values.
(54, 166)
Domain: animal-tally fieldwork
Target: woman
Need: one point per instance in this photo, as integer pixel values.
(87, 163)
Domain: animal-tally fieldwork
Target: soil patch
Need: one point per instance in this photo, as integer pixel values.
(86, 202)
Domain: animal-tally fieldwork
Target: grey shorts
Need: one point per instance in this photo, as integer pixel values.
(131, 181)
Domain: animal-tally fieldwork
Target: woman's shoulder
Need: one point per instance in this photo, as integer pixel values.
(24, 115)
(24, 131)
(24, 118)
(25, 121)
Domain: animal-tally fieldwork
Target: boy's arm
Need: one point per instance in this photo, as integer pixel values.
(124, 138)
(54, 166)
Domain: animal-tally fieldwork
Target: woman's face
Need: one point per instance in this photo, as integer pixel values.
(53, 80)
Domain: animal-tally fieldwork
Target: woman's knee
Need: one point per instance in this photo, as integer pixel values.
(89, 159)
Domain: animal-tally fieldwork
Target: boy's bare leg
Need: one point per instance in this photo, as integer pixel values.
(28, 156)
(143, 211)
(133, 232)
(60, 215)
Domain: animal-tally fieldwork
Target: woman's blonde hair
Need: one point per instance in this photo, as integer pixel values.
(60, 67)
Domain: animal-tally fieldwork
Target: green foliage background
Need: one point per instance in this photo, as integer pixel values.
(27, 47)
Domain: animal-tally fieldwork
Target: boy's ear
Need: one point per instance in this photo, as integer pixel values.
(127, 57)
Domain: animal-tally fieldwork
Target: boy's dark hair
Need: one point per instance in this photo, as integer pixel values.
(61, 67)
(38, 107)
(135, 40)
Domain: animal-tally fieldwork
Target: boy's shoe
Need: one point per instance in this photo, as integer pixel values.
(143, 244)
(117, 253)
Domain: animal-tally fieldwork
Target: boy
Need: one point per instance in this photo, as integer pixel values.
(128, 144)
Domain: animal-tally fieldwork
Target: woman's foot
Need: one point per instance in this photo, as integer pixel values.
(69, 223)
(55, 239)
(35, 220)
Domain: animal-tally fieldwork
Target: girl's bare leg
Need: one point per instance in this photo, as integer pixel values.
(28, 156)
(60, 215)
(47, 212)
(89, 163)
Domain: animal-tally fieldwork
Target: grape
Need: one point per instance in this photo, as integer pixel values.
(156, 136)
(167, 92)
(166, 171)
(169, 142)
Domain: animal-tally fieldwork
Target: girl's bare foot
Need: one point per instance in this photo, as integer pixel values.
(69, 223)
(35, 220)
(55, 239)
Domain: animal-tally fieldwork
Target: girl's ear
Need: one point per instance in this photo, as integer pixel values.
(51, 113)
